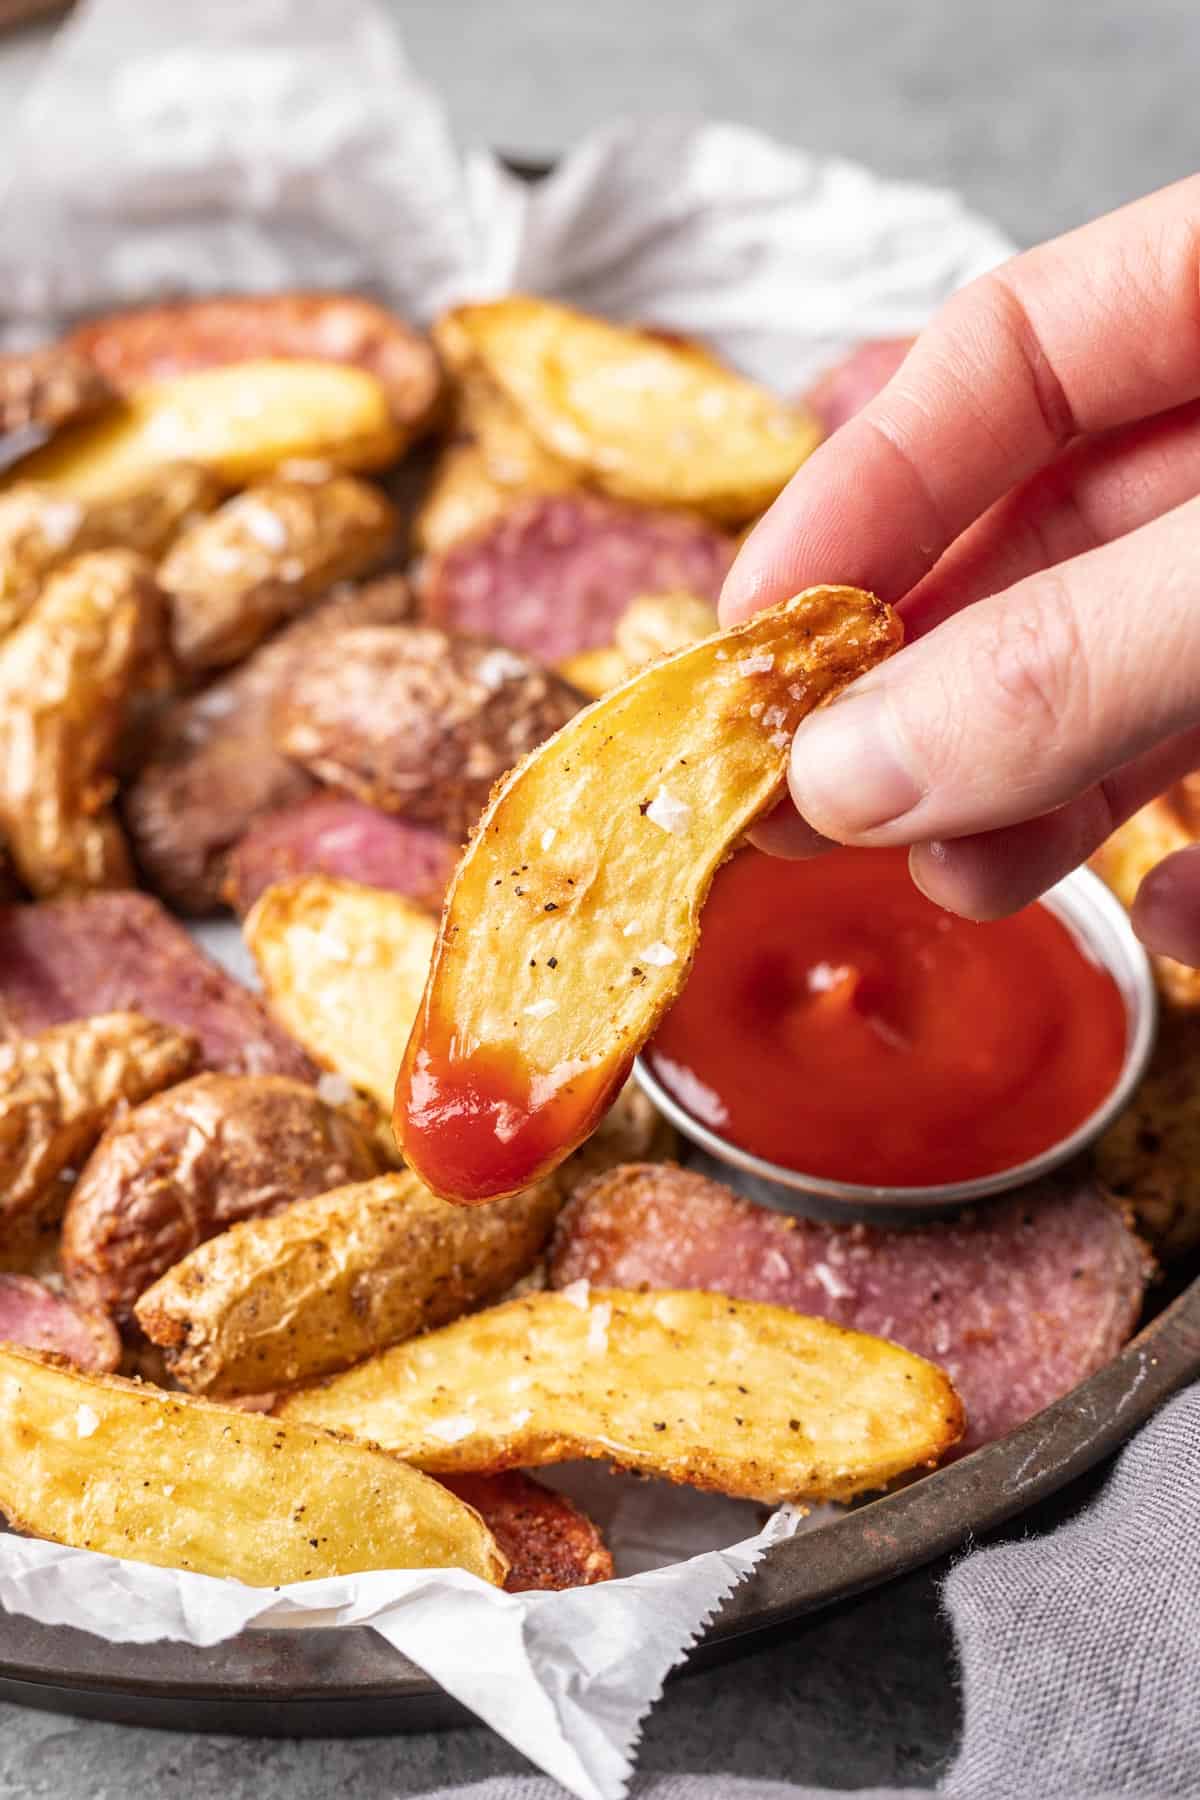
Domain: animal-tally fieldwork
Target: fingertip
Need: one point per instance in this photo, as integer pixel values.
(1166, 908)
(785, 834)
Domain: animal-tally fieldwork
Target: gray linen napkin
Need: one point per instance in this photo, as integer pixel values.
(1079, 1651)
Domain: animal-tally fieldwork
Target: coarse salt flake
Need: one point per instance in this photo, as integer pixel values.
(506, 1123)
(599, 1319)
(86, 1421)
(335, 1090)
(658, 955)
(761, 664)
(548, 836)
(774, 715)
(541, 1009)
(264, 526)
(668, 813)
(779, 740)
(451, 1430)
(576, 1293)
(499, 666)
(834, 1286)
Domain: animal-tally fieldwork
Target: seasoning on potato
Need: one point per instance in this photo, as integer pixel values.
(242, 422)
(343, 967)
(643, 415)
(60, 1089)
(264, 556)
(173, 1172)
(418, 721)
(574, 913)
(549, 1543)
(68, 675)
(329, 1280)
(743, 1398)
(40, 529)
(124, 1469)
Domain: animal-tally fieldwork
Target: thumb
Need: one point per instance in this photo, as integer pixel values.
(1015, 705)
(1166, 911)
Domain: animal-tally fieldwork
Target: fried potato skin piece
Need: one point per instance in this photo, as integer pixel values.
(40, 530)
(67, 676)
(242, 422)
(1150, 1156)
(153, 342)
(173, 1172)
(121, 1468)
(264, 556)
(209, 767)
(1166, 824)
(419, 721)
(644, 416)
(60, 1089)
(738, 1397)
(574, 913)
(549, 1543)
(37, 1319)
(49, 387)
(343, 967)
(312, 1289)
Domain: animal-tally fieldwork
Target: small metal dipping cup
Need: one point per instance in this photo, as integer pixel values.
(1100, 923)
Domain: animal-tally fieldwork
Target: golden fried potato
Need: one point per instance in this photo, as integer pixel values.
(280, 1300)
(41, 529)
(47, 388)
(68, 675)
(343, 967)
(242, 422)
(60, 1089)
(744, 1398)
(1167, 824)
(1150, 1157)
(644, 416)
(652, 625)
(264, 556)
(114, 1466)
(574, 913)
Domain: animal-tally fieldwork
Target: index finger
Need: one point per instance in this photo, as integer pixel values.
(1095, 329)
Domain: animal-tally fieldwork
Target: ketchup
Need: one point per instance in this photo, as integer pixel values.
(837, 1022)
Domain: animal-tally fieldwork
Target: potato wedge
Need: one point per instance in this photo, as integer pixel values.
(266, 555)
(47, 388)
(68, 677)
(594, 672)
(126, 1470)
(743, 1398)
(573, 915)
(1167, 824)
(343, 967)
(60, 1089)
(41, 529)
(645, 416)
(280, 1300)
(242, 422)
(652, 625)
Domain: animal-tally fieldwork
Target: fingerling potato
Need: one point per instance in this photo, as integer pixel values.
(743, 1398)
(574, 913)
(242, 422)
(314, 1288)
(46, 388)
(129, 1471)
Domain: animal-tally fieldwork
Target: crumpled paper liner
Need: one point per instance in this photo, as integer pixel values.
(170, 150)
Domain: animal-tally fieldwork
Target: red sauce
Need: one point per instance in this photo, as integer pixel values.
(837, 1022)
(477, 1126)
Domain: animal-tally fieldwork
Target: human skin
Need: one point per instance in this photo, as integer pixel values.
(1026, 488)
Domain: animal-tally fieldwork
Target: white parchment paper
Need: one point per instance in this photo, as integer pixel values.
(273, 143)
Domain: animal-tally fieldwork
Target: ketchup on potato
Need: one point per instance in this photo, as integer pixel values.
(837, 1022)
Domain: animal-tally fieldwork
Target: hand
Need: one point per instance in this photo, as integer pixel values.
(1025, 489)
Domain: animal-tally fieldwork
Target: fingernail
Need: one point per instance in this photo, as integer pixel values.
(848, 776)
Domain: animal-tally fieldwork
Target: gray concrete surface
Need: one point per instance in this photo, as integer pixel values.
(1043, 114)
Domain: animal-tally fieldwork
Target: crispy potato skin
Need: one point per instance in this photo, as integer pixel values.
(1150, 1157)
(418, 721)
(264, 556)
(182, 1167)
(48, 388)
(549, 1543)
(1167, 824)
(343, 966)
(242, 422)
(68, 674)
(124, 1469)
(645, 416)
(332, 834)
(40, 530)
(37, 1319)
(149, 343)
(210, 768)
(60, 1089)
(312, 1289)
(573, 915)
(742, 1398)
